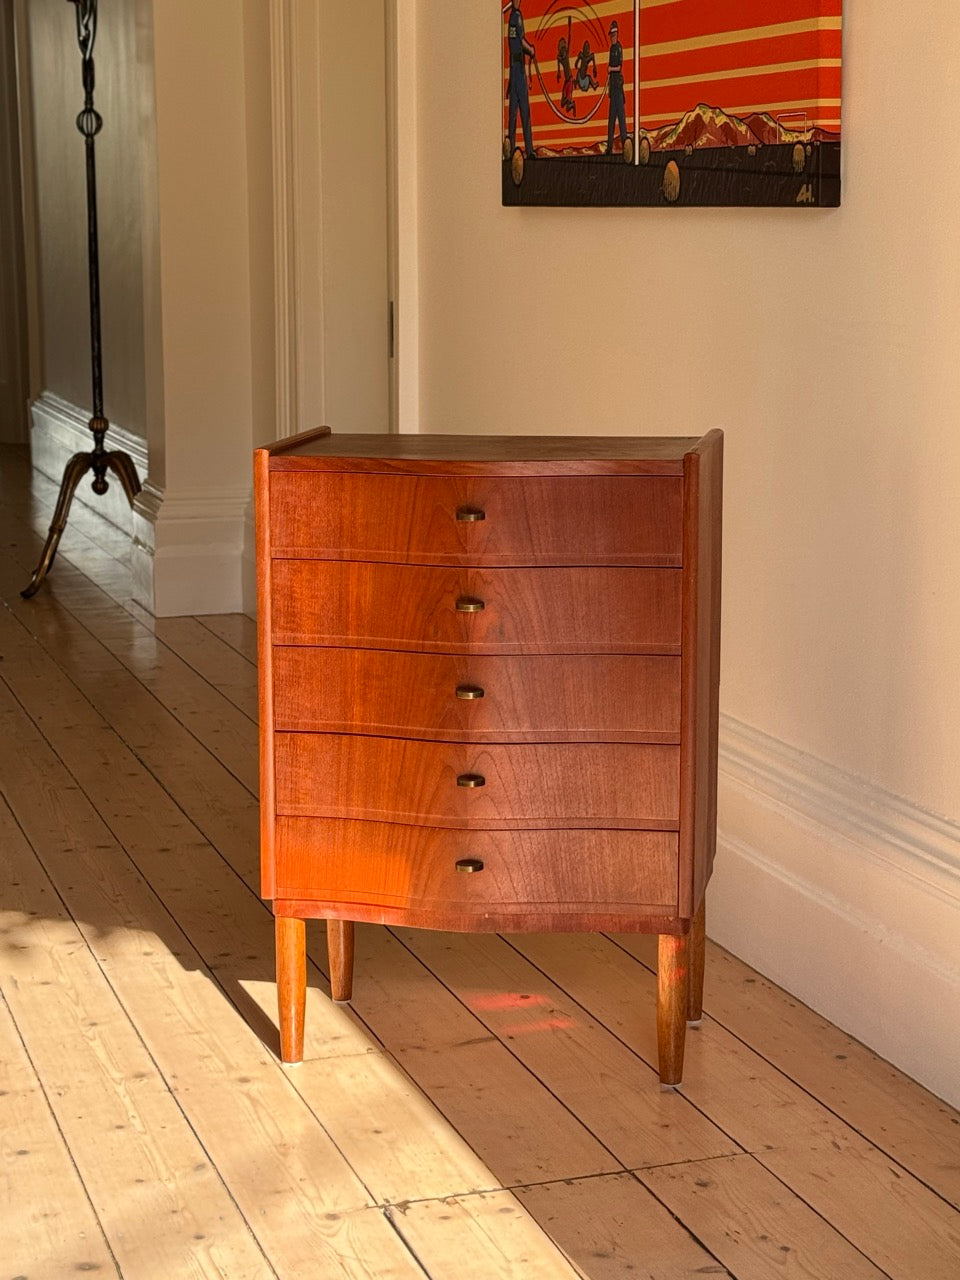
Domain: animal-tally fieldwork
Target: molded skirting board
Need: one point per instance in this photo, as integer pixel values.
(58, 430)
(192, 554)
(844, 894)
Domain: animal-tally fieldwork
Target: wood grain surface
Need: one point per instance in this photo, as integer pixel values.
(613, 520)
(442, 551)
(351, 863)
(265, 680)
(291, 985)
(700, 667)
(562, 610)
(673, 982)
(428, 453)
(527, 698)
(455, 785)
(750, 1221)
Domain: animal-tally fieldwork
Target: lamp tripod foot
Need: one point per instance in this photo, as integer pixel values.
(121, 464)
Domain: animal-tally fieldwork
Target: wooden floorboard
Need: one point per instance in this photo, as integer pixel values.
(50, 1226)
(485, 1106)
(104, 1088)
(878, 1101)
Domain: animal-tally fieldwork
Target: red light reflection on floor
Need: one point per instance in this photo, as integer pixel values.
(504, 1001)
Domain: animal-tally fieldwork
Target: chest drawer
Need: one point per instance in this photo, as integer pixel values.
(397, 867)
(526, 698)
(482, 520)
(456, 785)
(555, 610)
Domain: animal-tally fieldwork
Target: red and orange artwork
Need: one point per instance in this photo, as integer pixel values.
(683, 102)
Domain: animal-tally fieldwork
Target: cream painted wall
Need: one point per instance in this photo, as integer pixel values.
(353, 212)
(209, 229)
(824, 343)
(201, 124)
(57, 97)
(259, 141)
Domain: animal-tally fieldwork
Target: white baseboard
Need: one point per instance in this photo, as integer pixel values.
(189, 553)
(844, 894)
(58, 430)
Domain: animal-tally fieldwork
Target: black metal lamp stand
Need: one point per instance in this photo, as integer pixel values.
(99, 460)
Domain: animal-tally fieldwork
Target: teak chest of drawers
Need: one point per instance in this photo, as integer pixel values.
(488, 694)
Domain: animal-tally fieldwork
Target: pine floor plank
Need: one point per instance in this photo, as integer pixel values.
(613, 1227)
(479, 970)
(909, 1232)
(721, 1076)
(893, 1111)
(223, 809)
(48, 1228)
(212, 658)
(107, 1094)
(517, 1127)
(753, 1224)
(183, 693)
(485, 1236)
(236, 629)
(892, 1215)
(287, 1177)
(594, 1074)
(396, 1139)
(211, 763)
(91, 543)
(226, 730)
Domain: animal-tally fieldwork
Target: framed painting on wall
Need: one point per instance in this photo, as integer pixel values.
(671, 102)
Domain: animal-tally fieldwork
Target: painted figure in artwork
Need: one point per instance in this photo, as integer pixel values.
(520, 49)
(618, 111)
(565, 75)
(585, 60)
(671, 102)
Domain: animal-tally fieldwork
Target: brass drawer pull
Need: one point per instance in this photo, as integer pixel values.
(471, 780)
(469, 864)
(468, 692)
(470, 514)
(469, 604)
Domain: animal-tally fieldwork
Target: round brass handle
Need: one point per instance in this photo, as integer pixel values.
(469, 864)
(470, 514)
(469, 604)
(471, 780)
(469, 692)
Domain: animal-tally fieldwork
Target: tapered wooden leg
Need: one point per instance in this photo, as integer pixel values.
(291, 985)
(697, 955)
(340, 954)
(672, 982)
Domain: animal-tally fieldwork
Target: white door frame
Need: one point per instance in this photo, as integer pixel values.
(297, 189)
